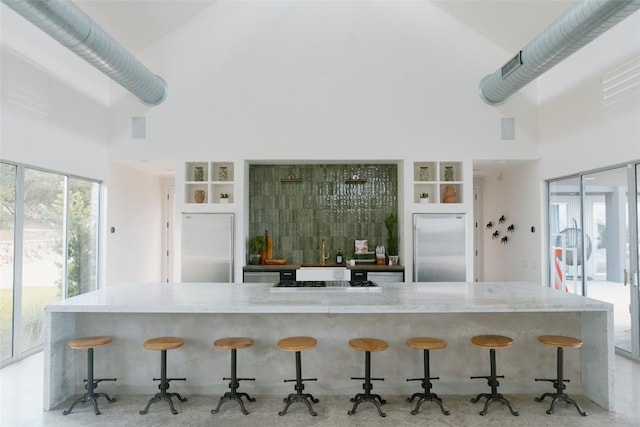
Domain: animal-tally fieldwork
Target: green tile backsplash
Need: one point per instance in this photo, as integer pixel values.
(298, 215)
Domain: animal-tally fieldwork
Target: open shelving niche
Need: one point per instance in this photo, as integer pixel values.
(432, 177)
(217, 178)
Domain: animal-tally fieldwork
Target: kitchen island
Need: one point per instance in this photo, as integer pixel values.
(203, 312)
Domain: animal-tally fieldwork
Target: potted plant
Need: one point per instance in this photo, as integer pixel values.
(391, 222)
(224, 198)
(424, 197)
(256, 245)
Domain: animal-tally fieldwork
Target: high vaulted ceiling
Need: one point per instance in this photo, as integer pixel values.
(507, 23)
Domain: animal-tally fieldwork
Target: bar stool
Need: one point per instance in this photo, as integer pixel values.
(89, 344)
(298, 344)
(367, 345)
(233, 344)
(560, 342)
(492, 342)
(425, 344)
(163, 344)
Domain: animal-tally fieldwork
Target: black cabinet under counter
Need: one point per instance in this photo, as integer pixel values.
(287, 273)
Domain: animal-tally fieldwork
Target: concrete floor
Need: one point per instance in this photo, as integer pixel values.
(21, 403)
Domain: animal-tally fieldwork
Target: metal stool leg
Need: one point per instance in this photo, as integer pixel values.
(233, 385)
(91, 384)
(164, 386)
(558, 384)
(427, 395)
(367, 396)
(492, 381)
(298, 396)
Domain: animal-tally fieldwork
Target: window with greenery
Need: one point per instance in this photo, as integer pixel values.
(49, 249)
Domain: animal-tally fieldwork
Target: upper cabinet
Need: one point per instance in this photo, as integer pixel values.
(208, 182)
(437, 182)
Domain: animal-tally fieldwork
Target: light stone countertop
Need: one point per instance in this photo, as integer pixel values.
(393, 298)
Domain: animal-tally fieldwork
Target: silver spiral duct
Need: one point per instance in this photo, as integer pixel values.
(72, 28)
(574, 29)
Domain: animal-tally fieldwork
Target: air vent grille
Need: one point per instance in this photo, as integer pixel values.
(27, 85)
(622, 83)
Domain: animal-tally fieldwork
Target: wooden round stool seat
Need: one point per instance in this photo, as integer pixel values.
(89, 342)
(297, 343)
(163, 343)
(233, 343)
(560, 341)
(426, 343)
(492, 341)
(368, 344)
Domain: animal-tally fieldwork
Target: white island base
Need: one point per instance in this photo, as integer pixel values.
(202, 313)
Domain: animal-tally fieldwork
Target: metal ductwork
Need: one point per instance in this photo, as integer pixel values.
(574, 29)
(72, 28)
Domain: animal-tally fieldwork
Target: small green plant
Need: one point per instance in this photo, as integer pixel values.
(424, 195)
(391, 222)
(257, 245)
(224, 195)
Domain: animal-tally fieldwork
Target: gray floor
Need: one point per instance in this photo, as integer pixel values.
(21, 403)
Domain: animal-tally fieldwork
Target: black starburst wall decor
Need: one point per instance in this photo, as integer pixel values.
(501, 231)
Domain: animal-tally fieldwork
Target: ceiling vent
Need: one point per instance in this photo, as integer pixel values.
(73, 29)
(577, 27)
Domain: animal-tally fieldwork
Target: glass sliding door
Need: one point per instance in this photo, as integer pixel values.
(565, 236)
(49, 246)
(82, 237)
(606, 215)
(7, 251)
(594, 244)
(43, 260)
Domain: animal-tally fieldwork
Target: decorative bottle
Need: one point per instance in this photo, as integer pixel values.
(339, 258)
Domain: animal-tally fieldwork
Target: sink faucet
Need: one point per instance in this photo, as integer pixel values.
(325, 255)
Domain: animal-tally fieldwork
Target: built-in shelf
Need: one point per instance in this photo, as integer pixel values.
(206, 182)
(441, 181)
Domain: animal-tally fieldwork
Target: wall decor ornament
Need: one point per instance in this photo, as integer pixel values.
(495, 235)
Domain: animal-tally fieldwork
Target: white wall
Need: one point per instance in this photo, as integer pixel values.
(323, 80)
(514, 193)
(135, 210)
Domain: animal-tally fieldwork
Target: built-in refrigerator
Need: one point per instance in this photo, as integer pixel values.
(207, 247)
(439, 247)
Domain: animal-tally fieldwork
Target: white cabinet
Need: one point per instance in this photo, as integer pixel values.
(437, 182)
(209, 182)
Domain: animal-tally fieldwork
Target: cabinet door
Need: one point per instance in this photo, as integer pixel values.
(386, 277)
(358, 276)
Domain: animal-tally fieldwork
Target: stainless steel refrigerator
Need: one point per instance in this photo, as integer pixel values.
(207, 247)
(439, 247)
